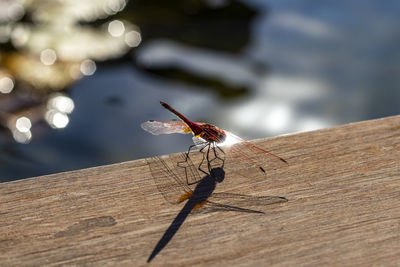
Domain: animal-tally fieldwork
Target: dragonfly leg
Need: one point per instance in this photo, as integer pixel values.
(223, 152)
(205, 156)
(214, 146)
(183, 164)
(220, 149)
(205, 144)
(208, 158)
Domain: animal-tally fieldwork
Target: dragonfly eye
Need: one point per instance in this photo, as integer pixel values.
(222, 137)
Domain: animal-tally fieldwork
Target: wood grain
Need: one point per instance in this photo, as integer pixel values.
(342, 186)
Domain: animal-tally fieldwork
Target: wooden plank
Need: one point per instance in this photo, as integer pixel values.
(342, 186)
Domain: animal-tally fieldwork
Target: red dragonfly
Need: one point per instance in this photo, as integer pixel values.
(206, 135)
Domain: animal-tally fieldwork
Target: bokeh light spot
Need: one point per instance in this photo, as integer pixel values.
(56, 119)
(15, 11)
(88, 67)
(61, 103)
(133, 38)
(116, 5)
(6, 85)
(23, 124)
(116, 28)
(48, 57)
(20, 35)
(22, 137)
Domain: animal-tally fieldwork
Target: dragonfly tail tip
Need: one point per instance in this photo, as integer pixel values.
(283, 160)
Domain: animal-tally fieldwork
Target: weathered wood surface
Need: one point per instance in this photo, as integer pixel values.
(342, 186)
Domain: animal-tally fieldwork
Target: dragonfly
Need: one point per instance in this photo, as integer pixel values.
(210, 137)
(169, 180)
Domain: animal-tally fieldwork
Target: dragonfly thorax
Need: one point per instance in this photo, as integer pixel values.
(211, 133)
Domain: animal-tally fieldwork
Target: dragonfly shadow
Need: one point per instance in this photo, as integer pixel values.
(196, 199)
(202, 195)
(170, 182)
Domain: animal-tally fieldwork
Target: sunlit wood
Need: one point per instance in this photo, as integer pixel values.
(342, 186)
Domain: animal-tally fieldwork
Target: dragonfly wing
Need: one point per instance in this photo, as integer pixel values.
(242, 149)
(165, 127)
(199, 142)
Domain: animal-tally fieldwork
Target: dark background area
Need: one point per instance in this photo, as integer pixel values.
(83, 77)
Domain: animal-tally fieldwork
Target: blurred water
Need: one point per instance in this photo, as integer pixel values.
(299, 66)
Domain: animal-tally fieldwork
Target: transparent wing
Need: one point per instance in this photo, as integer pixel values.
(199, 142)
(240, 148)
(165, 127)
